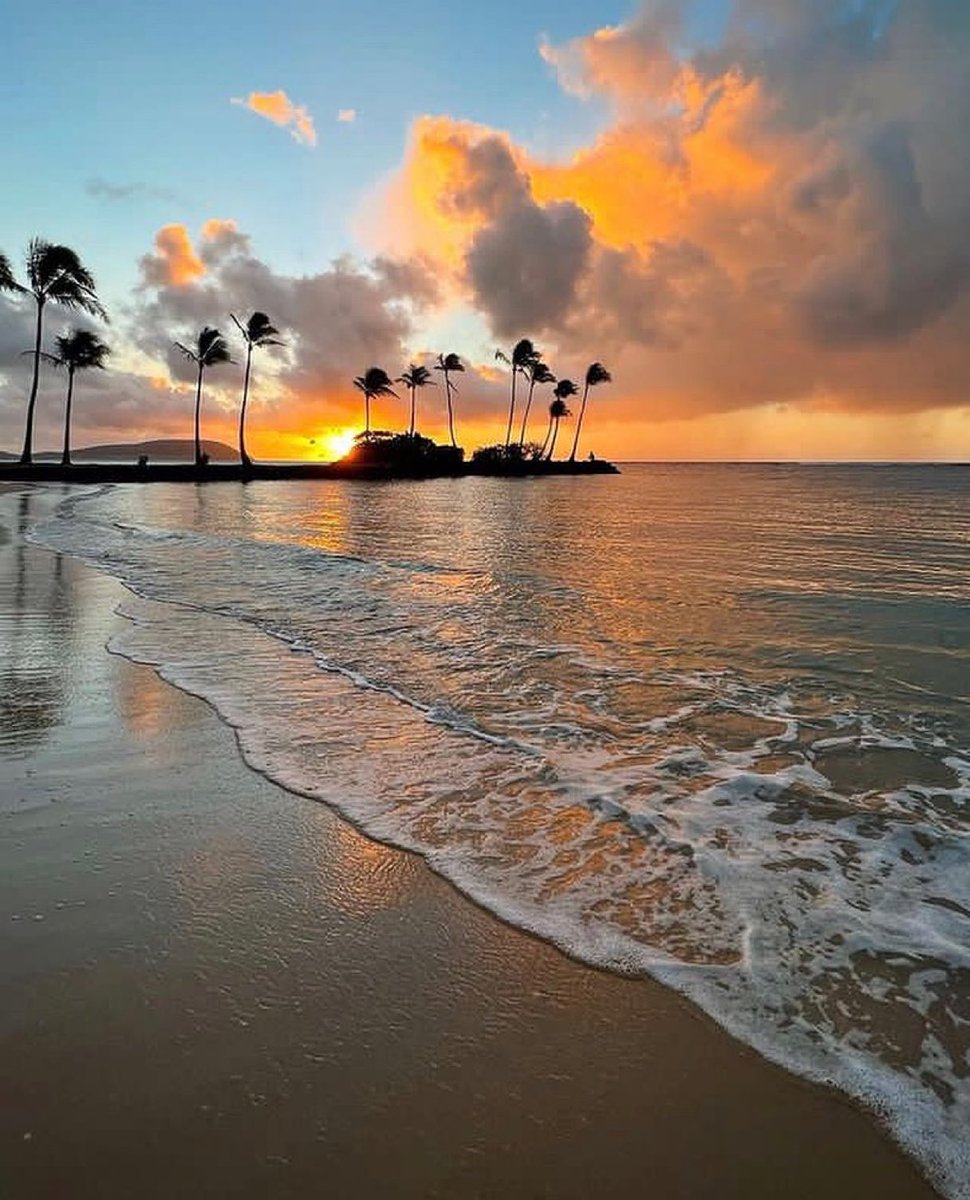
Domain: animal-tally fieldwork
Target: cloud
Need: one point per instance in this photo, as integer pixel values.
(778, 216)
(280, 109)
(102, 189)
(174, 262)
(347, 116)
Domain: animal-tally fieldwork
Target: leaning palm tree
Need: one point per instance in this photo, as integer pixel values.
(449, 364)
(256, 332)
(538, 372)
(596, 373)
(210, 350)
(55, 275)
(374, 382)
(78, 350)
(563, 390)
(413, 378)
(523, 355)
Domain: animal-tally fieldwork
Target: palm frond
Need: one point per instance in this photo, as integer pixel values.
(540, 373)
(81, 350)
(7, 281)
(564, 389)
(450, 362)
(558, 409)
(190, 354)
(597, 373)
(57, 274)
(524, 354)
(211, 348)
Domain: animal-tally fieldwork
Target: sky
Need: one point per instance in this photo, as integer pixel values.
(754, 212)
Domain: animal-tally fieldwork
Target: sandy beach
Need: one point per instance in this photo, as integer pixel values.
(216, 988)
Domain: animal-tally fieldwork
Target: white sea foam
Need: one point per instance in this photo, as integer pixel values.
(745, 841)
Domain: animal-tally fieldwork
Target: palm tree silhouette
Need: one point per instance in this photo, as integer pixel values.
(374, 382)
(55, 275)
(413, 378)
(448, 363)
(524, 354)
(596, 373)
(538, 372)
(78, 350)
(557, 410)
(210, 350)
(256, 332)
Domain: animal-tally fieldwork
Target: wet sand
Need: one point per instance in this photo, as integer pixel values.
(214, 988)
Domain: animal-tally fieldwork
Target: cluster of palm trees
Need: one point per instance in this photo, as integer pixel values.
(56, 275)
(524, 360)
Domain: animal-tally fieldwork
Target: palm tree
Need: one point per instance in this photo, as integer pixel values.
(596, 373)
(78, 350)
(448, 363)
(413, 378)
(210, 350)
(538, 372)
(55, 275)
(256, 332)
(524, 354)
(374, 382)
(563, 390)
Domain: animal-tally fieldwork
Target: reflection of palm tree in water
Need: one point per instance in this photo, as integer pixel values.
(32, 687)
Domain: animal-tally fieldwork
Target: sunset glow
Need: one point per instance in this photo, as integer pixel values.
(754, 214)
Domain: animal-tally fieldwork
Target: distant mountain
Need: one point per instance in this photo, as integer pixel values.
(159, 450)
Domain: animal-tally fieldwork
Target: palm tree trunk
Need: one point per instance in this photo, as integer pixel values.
(26, 456)
(66, 456)
(366, 412)
(508, 432)
(579, 424)
(243, 456)
(412, 411)
(545, 440)
(525, 415)
(198, 410)
(555, 434)
(451, 412)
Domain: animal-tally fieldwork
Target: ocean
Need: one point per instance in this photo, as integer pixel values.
(706, 723)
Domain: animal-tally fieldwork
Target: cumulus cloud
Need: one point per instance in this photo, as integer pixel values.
(280, 109)
(780, 216)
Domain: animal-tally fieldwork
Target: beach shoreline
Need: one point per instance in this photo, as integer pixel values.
(214, 984)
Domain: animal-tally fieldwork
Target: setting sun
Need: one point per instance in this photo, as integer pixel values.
(336, 444)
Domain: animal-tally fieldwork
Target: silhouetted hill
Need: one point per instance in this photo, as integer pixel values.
(158, 450)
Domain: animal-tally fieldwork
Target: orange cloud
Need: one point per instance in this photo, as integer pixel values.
(280, 109)
(775, 219)
(175, 262)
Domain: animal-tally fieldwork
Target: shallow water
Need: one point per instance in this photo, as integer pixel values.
(711, 723)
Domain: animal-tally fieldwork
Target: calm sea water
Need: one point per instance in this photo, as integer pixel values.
(707, 723)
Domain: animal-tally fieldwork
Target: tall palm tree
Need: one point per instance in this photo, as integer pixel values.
(563, 390)
(210, 350)
(596, 374)
(256, 332)
(413, 378)
(55, 275)
(538, 372)
(374, 382)
(78, 350)
(449, 364)
(523, 355)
